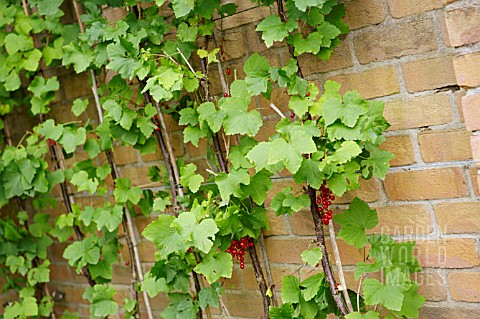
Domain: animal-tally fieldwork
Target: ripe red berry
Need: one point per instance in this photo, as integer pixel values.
(70, 238)
(118, 251)
(242, 265)
(308, 94)
(127, 263)
(225, 94)
(292, 115)
(336, 285)
(227, 71)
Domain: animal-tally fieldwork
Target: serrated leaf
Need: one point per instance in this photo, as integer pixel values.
(354, 222)
(199, 234)
(83, 182)
(290, 289)
(390, 296)
(369, 315)
(273, 29)
(208, 297)
(124, 192)
(189, 178)
(208, 112)
(311, 286)
(79, 106)
(312, 256)
(229, 184)
(215, 265)
(166, 238)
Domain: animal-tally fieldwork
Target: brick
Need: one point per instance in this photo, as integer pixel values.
(341, 58)
(447, 253)
(361, 13)
(369, 191)
(471, 111)
(254, 38)
(395, 41)
(445, 146)
(278, 186)
(125, 155)
(462, 25)
(431, 285)
(465, 286)
(402, 8)
(60, 272)
(243, 18)
(429, 74)
(401, 146)
(458, 100)
(246, 304)
(279, 98)
(426, 184)
(177, 145)
(121, 274)
(233, 43)
(418, 112)
(405, 219)
(467, 69)
(475, 144)
(370, 84)
(457, 218)
(147, 251)
(76, 85)
(448, 312)
(277, 225)
(138, 175)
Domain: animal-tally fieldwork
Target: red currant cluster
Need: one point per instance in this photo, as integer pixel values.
(51, 142)
(324, 200)
(237, 249)
(156, 122)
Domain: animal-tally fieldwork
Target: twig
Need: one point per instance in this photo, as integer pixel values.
(186, 61)
(358, 291)
(275, 108)
(338, 262)
(268, 271)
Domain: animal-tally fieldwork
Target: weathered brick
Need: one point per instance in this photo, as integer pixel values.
(458, 100)
(448, 312)
(125, 155)
(402, 8)
(341, 58)
(447, 253)
(279, 98)
(462, 25)
(465, 286)
(457, 218)
(405, 219)
(75, 85)
(467, 69)
(426, 184)
(361, 13)
(60, 272)
(277, 225)
(418, 112)
(233, 44)
(146, 250)
(369, 191)
(445, 146)
(246, 304)
(138, 176)
(395, 41)
(431, 285)
(471, 111)
(177, 146)
(243, 18)
(475, 143)
(429, 74)
(370, 84)
(401, 146)
(254, 38)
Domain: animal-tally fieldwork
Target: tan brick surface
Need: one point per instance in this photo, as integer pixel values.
(475, 143)
(465, 286)
(395, 41)
(471, 111)
(341, 58)
(361, 13)
(457, 218)
(447, 253)
(370, 84)
(445, 312)
(401, 146)
(418, 111)
(467, 69)
(405, 219)
(429, 74)
(431, 285)
(402, 8)
(444, 146)
(426, 184)
(462, 25)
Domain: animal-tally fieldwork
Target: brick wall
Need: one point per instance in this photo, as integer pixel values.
(422, 58)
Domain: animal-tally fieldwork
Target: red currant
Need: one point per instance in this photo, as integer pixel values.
(292, 115)
(227, 71)
(225, 94)
(127, 263)
(308, 94)
(70, 238)
(242, 265)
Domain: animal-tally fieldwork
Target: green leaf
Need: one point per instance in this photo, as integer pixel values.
(182, 7)
(81, 57)
(215, 265)
(379, 160)
(208, 112)
(160, 204)
(47, 7)
(354, 221)
(166, 238)
(188, 116)
(257, 70)
(101, 297)
(124, 192)
(208, 297)
(193, 134)
(412, 302)
(229, 184)
(146, 126)
(274, 29)
(302, 5)
(83, 252)
(189, 179)
(109, 217)
(186, 33)
(199, 234)
(312, 256)
(390, 296)
(309, 172)
(285, 202)
(83, 182)
(72, 137)
(290, 289)
(299, 105)
(79, 106)
(311, 286)
(50, 130)
(369, 315)
(285, 311)
(311, 44)
(258, 187)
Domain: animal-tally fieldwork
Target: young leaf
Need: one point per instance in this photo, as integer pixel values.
(79, 106)
(354, 221)
(390, 296)
(229, 184)
(123, 192)
(84, 183)
(290, 289)
(189, 179)
(312, 256)
(273, 29)
(215, 265)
